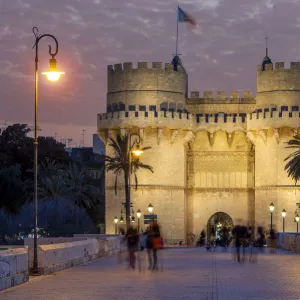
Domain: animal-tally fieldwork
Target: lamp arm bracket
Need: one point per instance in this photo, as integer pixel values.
(38, 37)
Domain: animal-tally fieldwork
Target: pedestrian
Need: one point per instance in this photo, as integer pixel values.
(132, 237)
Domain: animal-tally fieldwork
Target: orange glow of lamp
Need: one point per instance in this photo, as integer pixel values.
(53, 74)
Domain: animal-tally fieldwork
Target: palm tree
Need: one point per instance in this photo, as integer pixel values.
(70, 186)
(293, 166)
(79, 186)
(120, 163)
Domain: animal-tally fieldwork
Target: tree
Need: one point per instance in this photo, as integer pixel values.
(16, 147)
(293, 165)
(12, 189)
(119, 163)
(66, 187)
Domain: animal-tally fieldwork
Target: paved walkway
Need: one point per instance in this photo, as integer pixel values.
(189, 274)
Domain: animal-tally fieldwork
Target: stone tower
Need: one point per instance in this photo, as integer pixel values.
(150, 102)
(274, 122)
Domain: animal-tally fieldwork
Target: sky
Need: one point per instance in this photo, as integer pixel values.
(221, 55)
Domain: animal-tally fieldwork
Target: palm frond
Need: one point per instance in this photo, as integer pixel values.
(293, 165)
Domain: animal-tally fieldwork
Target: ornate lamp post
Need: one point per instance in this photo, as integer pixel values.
(138, 213)
(272, 207)
(52, 74)
(137, 151)
(297, 218)
(116, 220)
(283, 213)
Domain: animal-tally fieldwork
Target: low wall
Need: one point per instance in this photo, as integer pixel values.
(108, 244)
(59, 256)
(289, 241)
(56, 257)
(48, 241)
(13, 267)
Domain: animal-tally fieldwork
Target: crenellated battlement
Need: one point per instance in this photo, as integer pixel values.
(274, 117)
(173, 120)
(221, 95)
(128, 66)
(280, 66)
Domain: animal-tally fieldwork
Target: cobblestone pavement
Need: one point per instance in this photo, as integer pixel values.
(190, 274)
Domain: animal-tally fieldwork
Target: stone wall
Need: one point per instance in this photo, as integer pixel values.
(48, 241)
(13, 267)
(289, 241)
(56, 257)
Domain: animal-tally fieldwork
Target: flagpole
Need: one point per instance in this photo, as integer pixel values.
(177, 31)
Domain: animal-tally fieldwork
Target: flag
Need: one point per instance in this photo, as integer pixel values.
(185, 17)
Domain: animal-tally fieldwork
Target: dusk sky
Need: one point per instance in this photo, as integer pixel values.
(221, 55)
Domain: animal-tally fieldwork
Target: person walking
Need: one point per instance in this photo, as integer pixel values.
(132, 245)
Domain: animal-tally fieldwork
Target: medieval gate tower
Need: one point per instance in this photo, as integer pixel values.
(210, 155)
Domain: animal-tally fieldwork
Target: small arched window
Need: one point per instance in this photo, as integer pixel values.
(172, 106)
(164, 106)
(115, 107)
(121, 106)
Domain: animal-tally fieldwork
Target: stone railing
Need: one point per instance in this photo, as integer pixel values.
(13, 267)
(289, 241)
(55, 254)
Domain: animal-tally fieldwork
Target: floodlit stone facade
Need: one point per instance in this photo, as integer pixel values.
(209, 154)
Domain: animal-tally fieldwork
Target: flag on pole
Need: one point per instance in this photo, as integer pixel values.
(185, 17)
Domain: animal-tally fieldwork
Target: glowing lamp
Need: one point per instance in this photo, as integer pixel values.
(150, 208)
(137, 151)
(53, 73)
(116, 220)
(283, 213)
(272, 207)
(138, 213)
(297, 218)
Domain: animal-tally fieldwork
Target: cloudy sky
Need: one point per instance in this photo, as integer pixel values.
(221, 55)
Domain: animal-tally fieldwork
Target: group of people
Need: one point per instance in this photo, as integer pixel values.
(243, 241)
(150, 241)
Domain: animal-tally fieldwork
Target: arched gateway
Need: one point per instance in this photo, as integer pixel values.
(219, 228)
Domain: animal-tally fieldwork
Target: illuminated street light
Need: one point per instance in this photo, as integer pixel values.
(272, 207)
(283, 213)
(138, 213)
(52, 74)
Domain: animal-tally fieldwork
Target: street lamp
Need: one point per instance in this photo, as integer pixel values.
(150, 208)
(136, 151)
(116, 220)
(138, 213)
(272, 207)
(52, 74)
(283, 213)
(121, 219)
(297, 218)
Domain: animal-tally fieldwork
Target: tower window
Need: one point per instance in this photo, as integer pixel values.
(152, 107)
(164, 106)
(121, 106)
(142, 108)
(131, 107)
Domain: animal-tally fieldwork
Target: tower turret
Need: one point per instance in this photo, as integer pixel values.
(139, 88)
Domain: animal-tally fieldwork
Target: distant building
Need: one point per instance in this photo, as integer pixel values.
(98, 145)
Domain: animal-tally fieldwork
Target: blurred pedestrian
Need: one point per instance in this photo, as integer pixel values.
(132, 237)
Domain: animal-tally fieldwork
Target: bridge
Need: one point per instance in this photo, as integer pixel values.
(185, 273)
